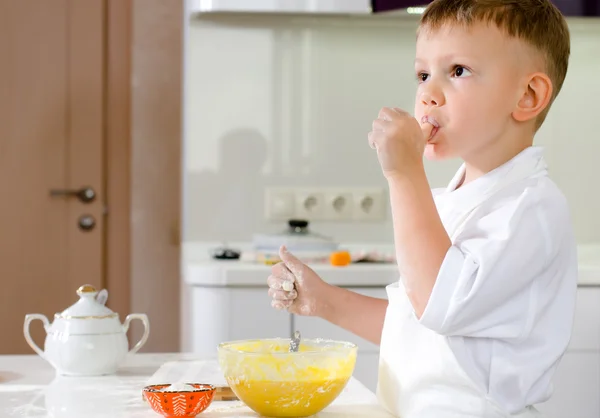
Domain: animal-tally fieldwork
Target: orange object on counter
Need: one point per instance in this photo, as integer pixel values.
(340, 258)
(185, 403)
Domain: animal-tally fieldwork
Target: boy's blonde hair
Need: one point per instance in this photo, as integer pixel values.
(537, 22)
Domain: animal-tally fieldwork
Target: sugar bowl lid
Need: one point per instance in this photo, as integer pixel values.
(89, 306)
(88, 315)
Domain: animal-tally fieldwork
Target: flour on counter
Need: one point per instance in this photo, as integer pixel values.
(178, 387)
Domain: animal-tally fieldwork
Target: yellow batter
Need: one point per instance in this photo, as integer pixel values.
(276, 383)
(288, 399)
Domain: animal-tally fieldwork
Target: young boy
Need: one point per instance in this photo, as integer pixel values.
(483, 310)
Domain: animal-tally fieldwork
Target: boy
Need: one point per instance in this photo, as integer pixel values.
(483, 310)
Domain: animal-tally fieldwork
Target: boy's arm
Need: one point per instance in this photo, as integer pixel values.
(359, 314)
(420, 238)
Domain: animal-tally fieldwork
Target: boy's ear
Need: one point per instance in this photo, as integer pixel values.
(535, 98)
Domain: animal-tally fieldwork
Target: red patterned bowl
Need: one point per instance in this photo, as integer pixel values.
(180, 403)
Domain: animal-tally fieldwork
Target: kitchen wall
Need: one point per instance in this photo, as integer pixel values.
(276, 101)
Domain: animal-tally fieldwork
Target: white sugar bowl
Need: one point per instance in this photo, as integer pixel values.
(87, 339)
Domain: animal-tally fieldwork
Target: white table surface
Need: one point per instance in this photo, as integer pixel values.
(30, 388)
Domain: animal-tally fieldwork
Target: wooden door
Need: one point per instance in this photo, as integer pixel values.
(51, 137)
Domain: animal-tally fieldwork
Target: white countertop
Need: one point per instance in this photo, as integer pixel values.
(30, 388)
(199, 269)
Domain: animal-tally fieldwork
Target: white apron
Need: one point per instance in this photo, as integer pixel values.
(422, 378)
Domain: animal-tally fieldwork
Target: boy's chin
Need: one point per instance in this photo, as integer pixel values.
(437, 152)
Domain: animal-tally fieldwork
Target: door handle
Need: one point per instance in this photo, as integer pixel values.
(85, 194)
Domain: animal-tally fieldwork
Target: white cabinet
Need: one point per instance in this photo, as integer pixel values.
(577, 380)
(366, 370)
(361, 7)
(221, 314)
(576, 387)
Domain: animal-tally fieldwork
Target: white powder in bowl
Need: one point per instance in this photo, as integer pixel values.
(178, 387)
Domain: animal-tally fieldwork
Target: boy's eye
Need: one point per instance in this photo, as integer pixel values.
(460, 71)
(422, 77)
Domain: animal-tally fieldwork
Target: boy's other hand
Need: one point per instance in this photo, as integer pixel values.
(295, 286)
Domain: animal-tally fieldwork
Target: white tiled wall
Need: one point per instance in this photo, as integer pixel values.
(289, 101)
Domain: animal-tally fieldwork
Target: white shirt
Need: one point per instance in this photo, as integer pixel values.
(505, 294)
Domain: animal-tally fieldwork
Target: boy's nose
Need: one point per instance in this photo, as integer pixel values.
(430, 97)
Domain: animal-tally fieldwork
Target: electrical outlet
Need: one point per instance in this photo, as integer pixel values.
(325, 204)
(310, 204)
(338, 205)
(279, 204)
(369, 204)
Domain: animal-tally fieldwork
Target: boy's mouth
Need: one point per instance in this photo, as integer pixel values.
(431, 120)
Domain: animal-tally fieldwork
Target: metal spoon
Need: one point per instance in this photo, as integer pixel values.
(295, 342)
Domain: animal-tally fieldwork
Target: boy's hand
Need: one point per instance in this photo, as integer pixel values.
(399, 141)
(295, 286)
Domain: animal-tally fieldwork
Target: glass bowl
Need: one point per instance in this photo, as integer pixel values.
(276, 383)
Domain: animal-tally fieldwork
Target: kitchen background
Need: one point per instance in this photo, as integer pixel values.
(288, 101)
